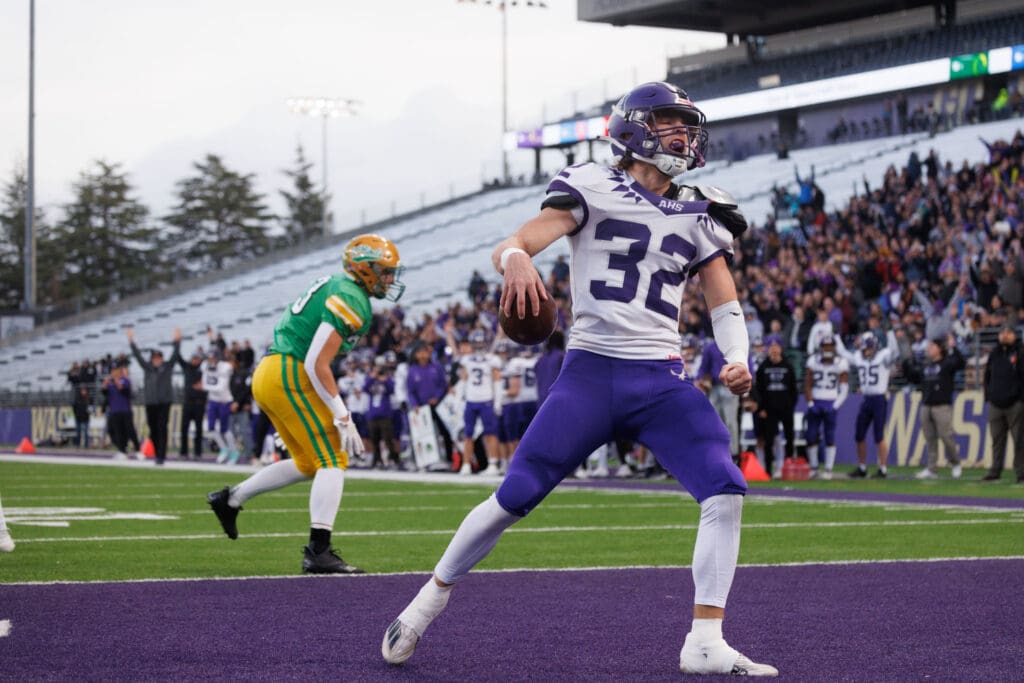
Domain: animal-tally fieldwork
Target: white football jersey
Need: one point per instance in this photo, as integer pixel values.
(873, 373)
(631, 255)
(217, 381)
(524, 368)
(479, 376)
(825, 377)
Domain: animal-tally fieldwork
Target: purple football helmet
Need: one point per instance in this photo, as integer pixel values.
(632, 122)
(868, 342)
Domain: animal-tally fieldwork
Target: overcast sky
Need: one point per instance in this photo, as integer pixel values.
(156, 86)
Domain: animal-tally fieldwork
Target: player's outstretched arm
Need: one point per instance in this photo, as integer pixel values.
(511, 258)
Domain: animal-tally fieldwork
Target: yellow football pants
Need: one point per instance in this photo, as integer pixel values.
(283, 391)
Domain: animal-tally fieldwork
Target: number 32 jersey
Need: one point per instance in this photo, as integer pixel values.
(631, 254)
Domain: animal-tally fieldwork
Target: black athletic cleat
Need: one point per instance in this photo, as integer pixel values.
(226, 514)
(878, 474)
(326, 562)
(858, 473)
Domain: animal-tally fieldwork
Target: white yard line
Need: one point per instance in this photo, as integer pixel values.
(536, 530)
(534, 570)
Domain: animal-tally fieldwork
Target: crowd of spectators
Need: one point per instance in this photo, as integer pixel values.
(930, 249)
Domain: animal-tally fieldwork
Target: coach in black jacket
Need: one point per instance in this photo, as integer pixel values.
(775, 392)
(158, 392)
(1004, 391)
(936, 380)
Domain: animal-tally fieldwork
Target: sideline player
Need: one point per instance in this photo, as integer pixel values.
(217, 383)
(480, 372)
(634, 237)
(294, 385)
(873, 367)
(826, 388)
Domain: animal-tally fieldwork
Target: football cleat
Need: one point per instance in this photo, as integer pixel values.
(957, 471)
(402, 636)
(399, 643)
(327, 562)
(718, 658)
(858, 473)
(926, 474)
(6, 542)
(226, 514)
(878, 474)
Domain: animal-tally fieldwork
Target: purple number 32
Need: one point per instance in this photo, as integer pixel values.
(640, 235)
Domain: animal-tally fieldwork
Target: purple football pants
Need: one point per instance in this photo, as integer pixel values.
(597, 399)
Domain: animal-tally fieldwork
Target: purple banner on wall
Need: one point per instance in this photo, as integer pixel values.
(15, 424)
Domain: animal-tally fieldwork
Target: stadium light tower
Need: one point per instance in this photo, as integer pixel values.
(324, 108)
(30, 178)
(503, 6)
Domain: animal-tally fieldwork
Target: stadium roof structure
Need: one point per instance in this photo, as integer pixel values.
(739, 17)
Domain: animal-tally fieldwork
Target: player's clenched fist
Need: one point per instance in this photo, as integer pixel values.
(736, 377)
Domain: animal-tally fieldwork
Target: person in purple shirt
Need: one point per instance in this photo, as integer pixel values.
(426, 385)
(117, 391)
(380, 386)
(726, 403)
(549, 365)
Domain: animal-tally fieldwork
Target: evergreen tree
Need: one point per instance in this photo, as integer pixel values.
(107, 247)
(219, 219)
(305, 217)
(12, 244)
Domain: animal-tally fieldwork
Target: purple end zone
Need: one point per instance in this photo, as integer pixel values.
(946, 621)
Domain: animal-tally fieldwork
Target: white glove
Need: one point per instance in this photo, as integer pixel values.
(351, 442)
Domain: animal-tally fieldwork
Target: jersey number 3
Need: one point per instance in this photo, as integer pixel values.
(640, 234)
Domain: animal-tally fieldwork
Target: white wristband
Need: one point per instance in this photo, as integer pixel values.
(503, 260)
(338, 408)
(730, 332)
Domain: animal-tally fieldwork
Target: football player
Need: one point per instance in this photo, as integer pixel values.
(217, 383)
(6, 542)
(873, 366)
(826, 387)
(522, 395)
(480, 374)
(634, 237)
(294, 385)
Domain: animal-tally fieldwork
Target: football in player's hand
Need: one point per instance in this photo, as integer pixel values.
(532, 329)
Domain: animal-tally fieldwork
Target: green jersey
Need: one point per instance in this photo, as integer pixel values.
(332, 299)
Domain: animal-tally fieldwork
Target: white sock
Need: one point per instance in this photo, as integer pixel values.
(271, 477)
(325, 498)
(812, 456)
(716, 549)
(706, 630)
(476, 537)
(830, 457)
(218, 439)
(229, 438)
(427, 604)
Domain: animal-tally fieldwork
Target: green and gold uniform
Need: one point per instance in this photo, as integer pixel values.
(280, 384)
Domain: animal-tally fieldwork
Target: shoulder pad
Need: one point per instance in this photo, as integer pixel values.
(688, 193)
(717, 195)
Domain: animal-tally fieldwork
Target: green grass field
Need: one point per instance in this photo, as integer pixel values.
(89, 523)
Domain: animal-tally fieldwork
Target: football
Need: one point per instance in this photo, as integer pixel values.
(533, 329)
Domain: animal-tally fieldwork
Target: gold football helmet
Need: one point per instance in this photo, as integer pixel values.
(373, 262)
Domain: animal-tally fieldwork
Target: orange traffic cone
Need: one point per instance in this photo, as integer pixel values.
(751, 468)
(25, 446)
(148, 449)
